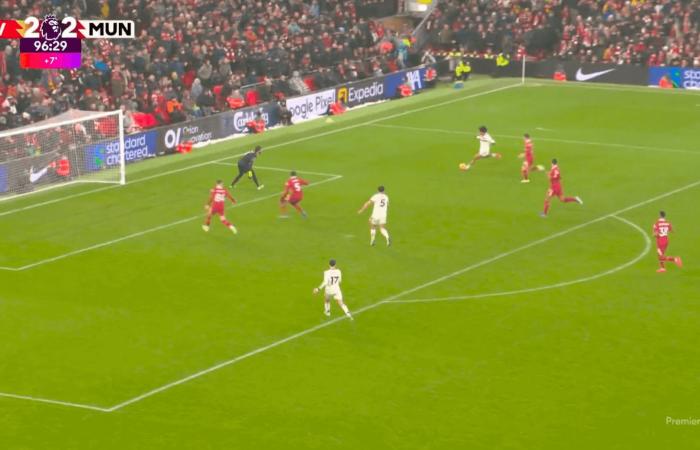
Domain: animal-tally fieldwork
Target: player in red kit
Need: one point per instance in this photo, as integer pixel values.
(555, 189)
(529, 160)
(293, 194)
(662, 228)
(217, 199)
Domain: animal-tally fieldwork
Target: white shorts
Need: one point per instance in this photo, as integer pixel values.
(377, 221)
(484, 153)
(338, 296)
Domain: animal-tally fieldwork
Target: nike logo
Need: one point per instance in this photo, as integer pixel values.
(34, 176)
(580, 76)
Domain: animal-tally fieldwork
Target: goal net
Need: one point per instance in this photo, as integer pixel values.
(76, 146)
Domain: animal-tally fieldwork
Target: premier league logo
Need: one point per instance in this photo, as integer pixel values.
(50, 28)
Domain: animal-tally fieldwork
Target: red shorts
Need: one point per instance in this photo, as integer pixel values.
(217, 208)
(529, 160)
(555, 191)
(661, 245)
(294, 199)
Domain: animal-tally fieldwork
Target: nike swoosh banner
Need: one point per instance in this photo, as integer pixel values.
(590, 73)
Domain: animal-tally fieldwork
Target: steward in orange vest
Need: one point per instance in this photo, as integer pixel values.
(235, 102)
(63, 167)
(665, 83)
(430, 76)
(257, 125)
(336, 109)
(404, 89)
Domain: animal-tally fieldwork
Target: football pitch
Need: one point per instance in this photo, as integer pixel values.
(484, 326)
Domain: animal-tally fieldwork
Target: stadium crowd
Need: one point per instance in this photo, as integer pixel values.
(645, 32)
(194, 58)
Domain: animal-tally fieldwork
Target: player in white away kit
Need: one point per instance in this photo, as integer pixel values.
(331, 284)
(485, 143)
(378, 218)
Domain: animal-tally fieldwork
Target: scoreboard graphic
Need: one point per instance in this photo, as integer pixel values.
(54, 44)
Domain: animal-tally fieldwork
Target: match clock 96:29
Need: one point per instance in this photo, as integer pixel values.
(32, 45)
(49, 54)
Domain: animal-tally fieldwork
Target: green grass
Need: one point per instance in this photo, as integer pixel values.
(598, 364)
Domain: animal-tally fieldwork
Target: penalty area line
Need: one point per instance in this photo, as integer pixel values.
(371, 306)
(403, 293)
(152, 230)
(281, 169)
(266, 148)
(54, 402)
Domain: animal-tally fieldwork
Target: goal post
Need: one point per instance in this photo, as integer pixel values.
(73, 147)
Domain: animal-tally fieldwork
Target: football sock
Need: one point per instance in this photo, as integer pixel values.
(372, 235)
(235, 180)
(524, 173)
(225, 222)
(569, 199)
(546, 207)
(327, 307)
(207, 221)
(345, 309)
(255, 178)
(385, 233)
(669, 258)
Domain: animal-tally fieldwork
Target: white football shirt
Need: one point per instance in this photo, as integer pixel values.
(331, 281)
(485, 143)
(381, 205)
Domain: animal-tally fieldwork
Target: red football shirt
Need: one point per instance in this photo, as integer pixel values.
(293, 186)
(528, 149)
(662, 228)
(554, 176)
(218, 195)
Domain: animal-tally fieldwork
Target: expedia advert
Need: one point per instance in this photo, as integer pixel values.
(360, 92)
(103, 155)
(310, 106)
(198, 131)
(233, 122)
(675, 77)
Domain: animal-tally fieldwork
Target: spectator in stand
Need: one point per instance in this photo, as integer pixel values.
(297, 85)
(206, 102)
(651, 32)
(226, 44)
(284, 114)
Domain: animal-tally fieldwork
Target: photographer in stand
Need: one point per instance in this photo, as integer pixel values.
(284, 113)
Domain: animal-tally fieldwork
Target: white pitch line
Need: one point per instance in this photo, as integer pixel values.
(395, 297)
(357, 312)
(266, 148)
(618, 88)
(564, 141)
(635, 260)
(150, 230)
(280, 169)
(53, 402)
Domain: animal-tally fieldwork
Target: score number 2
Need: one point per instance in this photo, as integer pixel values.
(68, 32)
